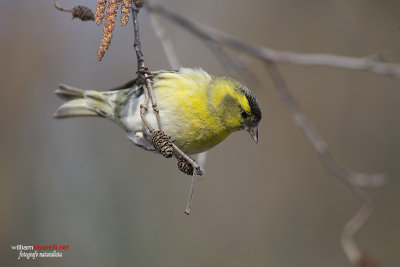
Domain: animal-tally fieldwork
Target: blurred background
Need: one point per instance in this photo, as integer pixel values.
(81, 182)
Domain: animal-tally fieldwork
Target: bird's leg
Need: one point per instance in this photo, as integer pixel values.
(139, 140)
(145, 70)
(143, 108)
(153, 101)
(147, 79)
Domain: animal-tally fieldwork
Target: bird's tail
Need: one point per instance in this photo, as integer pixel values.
(85, 103)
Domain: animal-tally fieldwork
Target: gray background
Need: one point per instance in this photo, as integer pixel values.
(81, 182)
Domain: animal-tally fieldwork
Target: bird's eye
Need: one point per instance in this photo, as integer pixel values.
(244, 114)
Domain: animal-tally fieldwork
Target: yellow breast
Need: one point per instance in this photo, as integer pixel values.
(182, 99)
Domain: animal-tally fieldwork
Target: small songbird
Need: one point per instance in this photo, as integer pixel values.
(197, 110)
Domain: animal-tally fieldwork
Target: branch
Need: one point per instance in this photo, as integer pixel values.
(174, 64)
(356, 181)
(215, 38)
(160, 140)
(374, 63)
(166, 43)
(320, 145)
(353, 252)
(232, 65)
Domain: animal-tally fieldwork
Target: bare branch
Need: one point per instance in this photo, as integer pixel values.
(189, 203)
(144, 75)
(148, 90)
(137, 44)
(174, 64)
(369, 63)
(233, 65)
(353, 252)
(59, 7)
(166, 43)
(356, 181)
(319, 144)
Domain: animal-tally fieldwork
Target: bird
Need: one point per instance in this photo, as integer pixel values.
(197, 110)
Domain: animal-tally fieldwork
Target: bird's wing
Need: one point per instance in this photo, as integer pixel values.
(126, 85)
(133, 82)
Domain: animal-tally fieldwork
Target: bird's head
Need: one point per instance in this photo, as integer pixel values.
(235, 105)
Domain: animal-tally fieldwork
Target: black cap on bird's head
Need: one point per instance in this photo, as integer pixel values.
(251, 120)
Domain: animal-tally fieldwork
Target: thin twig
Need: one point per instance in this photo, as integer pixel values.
(137, 44)
(189, 203)
(141, 67)
(353, 252)
(173, 61)
(369, 63)
(313, 136)
(166, 43)
(153, 101)
(148, 90)
(143, 109)
(232, 65)
(356, 181)
(196, 167)
(59, 7)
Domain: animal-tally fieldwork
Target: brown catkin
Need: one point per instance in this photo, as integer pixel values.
(83, 13)
(162, 143)
(125, 11)
(108, 28)
(185, 166)
(100, 8)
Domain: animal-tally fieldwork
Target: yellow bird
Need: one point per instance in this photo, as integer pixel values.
(197, 110)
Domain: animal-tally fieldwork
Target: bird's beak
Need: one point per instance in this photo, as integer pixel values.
(253, 131)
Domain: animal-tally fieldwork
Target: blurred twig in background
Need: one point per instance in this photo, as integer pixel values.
(165, 41)
(215, 40)
(356, 181)
(372, 63)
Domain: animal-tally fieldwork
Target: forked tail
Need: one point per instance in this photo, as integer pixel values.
(84, 103)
